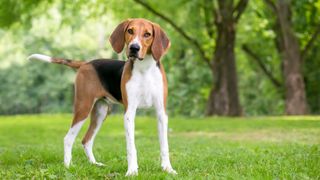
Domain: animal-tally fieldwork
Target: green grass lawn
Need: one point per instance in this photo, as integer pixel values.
(31, 146)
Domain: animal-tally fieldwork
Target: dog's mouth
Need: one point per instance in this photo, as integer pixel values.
(134, 56)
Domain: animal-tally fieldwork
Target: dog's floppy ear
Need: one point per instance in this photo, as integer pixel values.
(117, 37)
(160, 44)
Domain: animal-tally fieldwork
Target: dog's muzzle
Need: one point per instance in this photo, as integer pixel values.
(133, 51)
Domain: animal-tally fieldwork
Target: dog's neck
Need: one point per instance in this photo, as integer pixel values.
(146, 64)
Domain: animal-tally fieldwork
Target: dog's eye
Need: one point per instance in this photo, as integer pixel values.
(146, 34)
(130, 31)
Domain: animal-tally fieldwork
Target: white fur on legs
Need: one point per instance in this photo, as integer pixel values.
(88, 150)
(101, 113)
(69, 140)
(131, 148)
(163, 138)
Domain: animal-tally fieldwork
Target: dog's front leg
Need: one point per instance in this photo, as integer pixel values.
(163, 138)
(131, 148)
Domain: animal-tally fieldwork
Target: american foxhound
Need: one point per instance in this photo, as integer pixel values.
(139, 82)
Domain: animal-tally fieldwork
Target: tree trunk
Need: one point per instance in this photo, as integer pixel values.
(223, 99)
(295, 101)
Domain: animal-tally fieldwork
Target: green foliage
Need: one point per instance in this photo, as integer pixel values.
(12, 11)
(33, 87)
(258, 94)
(211, 148)
(37, 92)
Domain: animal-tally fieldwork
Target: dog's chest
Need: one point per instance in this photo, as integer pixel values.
(145, 87)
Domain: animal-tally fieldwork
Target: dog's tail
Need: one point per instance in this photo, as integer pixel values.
(48, 59)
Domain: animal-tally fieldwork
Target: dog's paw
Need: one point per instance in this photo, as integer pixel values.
(169, 170)
(132, 172)
(67, 161)
(99, 164)
(67, 164)
(166, 166)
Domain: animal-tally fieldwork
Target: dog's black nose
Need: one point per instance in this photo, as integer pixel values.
(134, 48)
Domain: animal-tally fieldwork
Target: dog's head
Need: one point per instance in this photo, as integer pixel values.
(140, 37)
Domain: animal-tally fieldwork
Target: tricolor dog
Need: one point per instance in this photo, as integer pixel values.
(139, 82)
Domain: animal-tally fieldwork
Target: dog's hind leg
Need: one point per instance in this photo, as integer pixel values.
(82, 108)
(98, 115)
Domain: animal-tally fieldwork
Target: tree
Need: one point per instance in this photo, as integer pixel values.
(288, 46)
(223, 17)
(292, 58)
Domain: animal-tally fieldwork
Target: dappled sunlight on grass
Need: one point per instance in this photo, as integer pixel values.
(290, 118)
(310, 136)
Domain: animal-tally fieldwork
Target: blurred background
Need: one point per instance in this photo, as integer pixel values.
(227, 57)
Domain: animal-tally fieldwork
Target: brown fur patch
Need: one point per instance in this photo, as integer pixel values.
(93, 124)
(117, 37)
(126, 75)
(87, 88)
(160, 44)
(67, 62)
(165, 85)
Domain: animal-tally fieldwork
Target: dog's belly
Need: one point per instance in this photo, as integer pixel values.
(144, 89)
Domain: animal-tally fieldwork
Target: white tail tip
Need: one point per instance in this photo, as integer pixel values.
(40, 57)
